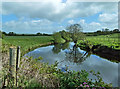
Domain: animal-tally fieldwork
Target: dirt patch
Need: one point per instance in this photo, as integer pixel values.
(103, 51)
(108, 53)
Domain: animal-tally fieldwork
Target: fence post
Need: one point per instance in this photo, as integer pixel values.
(12, 63)
(17, 61)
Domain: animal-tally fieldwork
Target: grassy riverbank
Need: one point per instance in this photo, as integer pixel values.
(25, 42)
(35, 74)
(104, 40)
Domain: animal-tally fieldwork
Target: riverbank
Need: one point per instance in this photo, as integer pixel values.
(106, 46)
(102, 51)
(35, 74)
(111, 41)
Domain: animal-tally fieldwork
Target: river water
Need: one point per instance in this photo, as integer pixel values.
(76, 59)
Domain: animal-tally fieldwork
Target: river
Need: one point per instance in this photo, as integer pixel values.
(76, 59)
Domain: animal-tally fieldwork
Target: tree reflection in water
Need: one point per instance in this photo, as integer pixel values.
(76, 56)
(58, 47)
(72, 54)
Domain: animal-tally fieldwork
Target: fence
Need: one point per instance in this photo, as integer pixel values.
(14, 62)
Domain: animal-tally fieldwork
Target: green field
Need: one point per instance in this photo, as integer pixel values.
(46, 73)
(106, 40)
(29, 42)
(25, 42)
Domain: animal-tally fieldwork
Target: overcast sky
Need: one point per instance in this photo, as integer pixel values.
(54, 15)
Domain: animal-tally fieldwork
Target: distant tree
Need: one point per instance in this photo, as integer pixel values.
(99, 31)
(39, 34)
(116, 30)
(106, 30)
(76, 32)
(4, 33)
(11, 33)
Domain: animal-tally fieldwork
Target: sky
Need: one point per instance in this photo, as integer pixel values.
(51, 16)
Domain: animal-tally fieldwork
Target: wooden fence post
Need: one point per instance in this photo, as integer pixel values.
(17, 61)
(12, 63)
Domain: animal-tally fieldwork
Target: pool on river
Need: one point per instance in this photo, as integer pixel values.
(76, 59)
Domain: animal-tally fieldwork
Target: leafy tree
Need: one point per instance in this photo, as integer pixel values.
(65, 35)
(99, 31)
(11, 33)
(39, 34)
(76, 32)
(116, 30)
(57, 38)
(106, 30)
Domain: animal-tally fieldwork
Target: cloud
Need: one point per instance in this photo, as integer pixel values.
(31, 26)
(56, 11)
(51, 14)
(94, 26)
(89, 27)
(71, 22)
(108, 18)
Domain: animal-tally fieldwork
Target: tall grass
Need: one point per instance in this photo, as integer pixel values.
(106, 40)
(25, 42)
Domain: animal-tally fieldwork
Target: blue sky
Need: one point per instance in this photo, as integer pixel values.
(49, 17)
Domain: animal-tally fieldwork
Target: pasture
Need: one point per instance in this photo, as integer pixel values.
(25, 42)
(106, 40)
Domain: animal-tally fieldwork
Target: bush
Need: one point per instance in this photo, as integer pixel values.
(57, 38)
(34, 74)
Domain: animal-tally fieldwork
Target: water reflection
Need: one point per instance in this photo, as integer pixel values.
(72, 53)
(77, 59)
(57, 47)
(76, 56)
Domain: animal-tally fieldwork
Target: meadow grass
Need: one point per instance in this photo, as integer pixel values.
(46, 75)
(111, 40)
(25, 42)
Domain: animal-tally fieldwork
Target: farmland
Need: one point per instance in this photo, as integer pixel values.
(30, 42)
(25, 42)
(105, 40)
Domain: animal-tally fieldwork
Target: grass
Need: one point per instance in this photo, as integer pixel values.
(106, 40)
(25, 42)
(35, 74)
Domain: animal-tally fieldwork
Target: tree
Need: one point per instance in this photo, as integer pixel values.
(116, 30)
(65, 35)
(106, 30)
(39, 34)
(11, 33)
(76, 32)
(99, 31)
(57, 38)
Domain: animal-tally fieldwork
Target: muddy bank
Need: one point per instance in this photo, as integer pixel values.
(108, 53)
(104, 52)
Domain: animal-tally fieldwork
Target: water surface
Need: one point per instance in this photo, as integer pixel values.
(76, 59)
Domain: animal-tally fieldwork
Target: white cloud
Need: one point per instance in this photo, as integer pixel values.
(56, 11)
(51, 12)
(31, 26)
(94, 26)
(71, 22)
(108, 18)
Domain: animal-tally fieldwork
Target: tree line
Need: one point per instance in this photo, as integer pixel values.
(15, 34)
(102, 32)
(63, 35)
